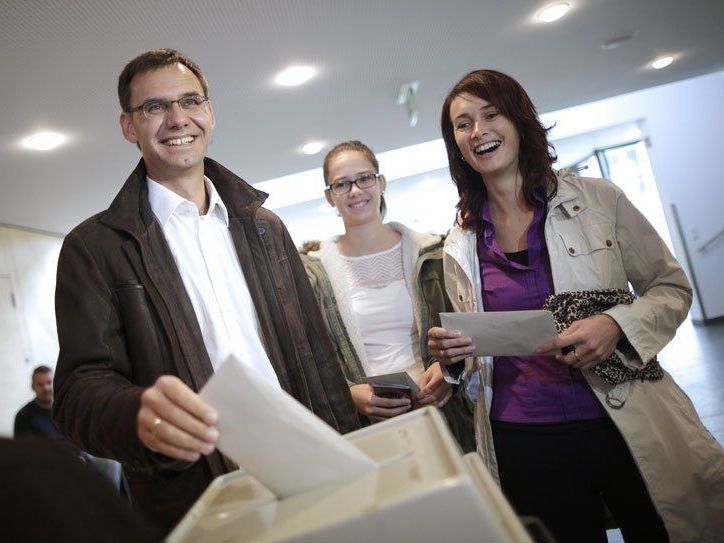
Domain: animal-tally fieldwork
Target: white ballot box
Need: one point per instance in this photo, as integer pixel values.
(423, 490)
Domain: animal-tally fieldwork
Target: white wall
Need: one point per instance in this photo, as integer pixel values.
(30, 260)
(682, 122)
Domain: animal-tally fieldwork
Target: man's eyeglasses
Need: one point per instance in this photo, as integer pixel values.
(364, 181)
(157, 108)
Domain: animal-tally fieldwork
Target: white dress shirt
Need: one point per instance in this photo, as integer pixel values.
(209, 266)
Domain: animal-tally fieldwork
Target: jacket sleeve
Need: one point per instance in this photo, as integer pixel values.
(328, 364)
(318, 279)
(664, 293)
(95, 401)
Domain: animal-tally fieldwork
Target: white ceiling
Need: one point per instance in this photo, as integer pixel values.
(60, 61)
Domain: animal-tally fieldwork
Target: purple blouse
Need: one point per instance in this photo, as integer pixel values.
(529, 389)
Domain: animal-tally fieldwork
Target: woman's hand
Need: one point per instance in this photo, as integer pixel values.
(434, 390)
(374, 406)
(593, 340)
(449, 346)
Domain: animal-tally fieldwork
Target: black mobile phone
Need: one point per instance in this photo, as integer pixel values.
(391, 390)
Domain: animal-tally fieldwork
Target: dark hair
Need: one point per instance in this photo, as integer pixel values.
(353, 145)
(535, 157)
(154, 60)
(40, 369)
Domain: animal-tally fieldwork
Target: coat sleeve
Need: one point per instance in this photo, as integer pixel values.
(95, 400)
(333, 383)
(664, 293)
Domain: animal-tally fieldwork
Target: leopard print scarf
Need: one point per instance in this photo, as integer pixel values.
(568, 307)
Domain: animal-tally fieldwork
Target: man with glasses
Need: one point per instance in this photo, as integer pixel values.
(184, 268)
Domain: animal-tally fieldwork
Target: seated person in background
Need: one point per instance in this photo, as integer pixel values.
(380, 286)
(567, 434)
(35, 418)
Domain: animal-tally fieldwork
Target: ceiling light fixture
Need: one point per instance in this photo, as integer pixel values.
(554, 12)
(617, 41)
(294, 76)
(406, 97)
(312, 148)
(662, 62)
(43, 141)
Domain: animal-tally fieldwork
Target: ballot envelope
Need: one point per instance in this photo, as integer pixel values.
(423, 490)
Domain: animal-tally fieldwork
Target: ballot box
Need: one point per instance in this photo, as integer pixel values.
(422, 490)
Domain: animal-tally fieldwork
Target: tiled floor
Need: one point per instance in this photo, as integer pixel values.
(695, 359)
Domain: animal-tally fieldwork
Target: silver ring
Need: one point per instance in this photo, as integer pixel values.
(575, 354)
(154, 426)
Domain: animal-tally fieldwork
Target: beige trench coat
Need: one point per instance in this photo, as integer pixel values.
(597, 240)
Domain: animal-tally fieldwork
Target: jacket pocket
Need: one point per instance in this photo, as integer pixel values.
(593, 254)
(140, 330)
(589, 239)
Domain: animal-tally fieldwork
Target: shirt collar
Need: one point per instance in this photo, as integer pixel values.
(164, 202)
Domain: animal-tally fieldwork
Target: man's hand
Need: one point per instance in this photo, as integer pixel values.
(374, 406)
(449, 346)
(593, 340)
(173, 420)
(434, 390)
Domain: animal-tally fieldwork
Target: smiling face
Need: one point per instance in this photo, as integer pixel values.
(487, 139)
(173, 145)
(358, 206)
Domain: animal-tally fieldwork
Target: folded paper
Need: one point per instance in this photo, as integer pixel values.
(275, 438)
(504, 333)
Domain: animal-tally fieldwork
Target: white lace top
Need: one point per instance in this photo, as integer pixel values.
(383, 308)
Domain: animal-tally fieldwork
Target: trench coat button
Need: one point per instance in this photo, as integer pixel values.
(608, 243)
(460, 297)
(576, 208)
(571, 250)
(261, 230)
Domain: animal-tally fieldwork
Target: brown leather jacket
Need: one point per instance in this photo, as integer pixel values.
(124, 319)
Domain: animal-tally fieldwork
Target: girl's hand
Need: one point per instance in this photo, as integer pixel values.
(434, 390)
(374, 406)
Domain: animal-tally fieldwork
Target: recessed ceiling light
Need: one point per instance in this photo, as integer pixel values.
(43, 141)
(312, 148)
(662, 62)
(294, 76)
(554, 12)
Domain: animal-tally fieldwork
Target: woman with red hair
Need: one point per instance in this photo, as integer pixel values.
(601, 423)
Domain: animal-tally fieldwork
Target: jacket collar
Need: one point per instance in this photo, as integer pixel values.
(568, 197)
(131, 209)
(417, 241)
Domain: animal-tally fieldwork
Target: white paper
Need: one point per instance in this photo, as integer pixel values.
(504, 333)
(274, 437)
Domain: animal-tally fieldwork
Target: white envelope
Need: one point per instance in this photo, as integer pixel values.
(274, 437)
(504, 333)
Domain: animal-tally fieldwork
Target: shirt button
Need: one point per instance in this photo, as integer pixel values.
(571, 250)
(576, 208)
(608, 243)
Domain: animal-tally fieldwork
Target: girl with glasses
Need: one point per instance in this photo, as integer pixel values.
(380, 287)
